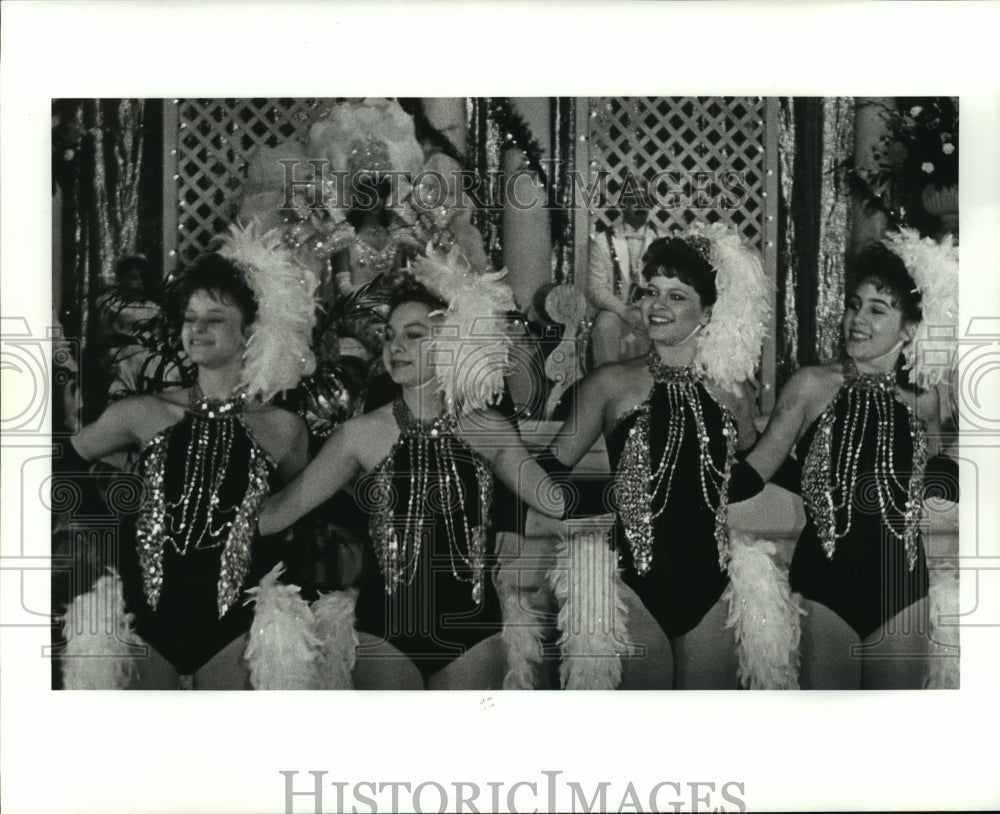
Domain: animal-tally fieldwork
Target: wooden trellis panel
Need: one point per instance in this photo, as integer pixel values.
(210, 142)
(686, 135)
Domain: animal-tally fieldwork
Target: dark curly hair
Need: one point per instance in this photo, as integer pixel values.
(675, 257)
(409, 289)
(885, 270)
(222, 279)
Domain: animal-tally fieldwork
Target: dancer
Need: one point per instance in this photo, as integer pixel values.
(674, 423)
(428, 614)
(865, 430)
(208, 454)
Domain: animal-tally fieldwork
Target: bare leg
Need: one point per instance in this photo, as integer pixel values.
(705, 658)
(227, 669)
(481, 667)
(153, 672)
(827, 644)
(654, 669)
(894, 657)
(380, 666)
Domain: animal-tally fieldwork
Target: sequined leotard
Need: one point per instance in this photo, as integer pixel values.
(860, 553)
(670, 458)
(427, 584)
(195, 550)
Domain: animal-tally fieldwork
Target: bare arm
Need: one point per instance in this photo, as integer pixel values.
(585, 424)
(784, 427)
(328, 472)
(741, 405)
(513, 465)
(113, 431)
(297, 455)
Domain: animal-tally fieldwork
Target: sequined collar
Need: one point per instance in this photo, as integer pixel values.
(663, 372)
(205, 407)
(446, 423)
(854, 378)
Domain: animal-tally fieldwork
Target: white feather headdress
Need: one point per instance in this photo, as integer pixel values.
(933, 266)
(278, 352)
(471, 345)
(729, 347)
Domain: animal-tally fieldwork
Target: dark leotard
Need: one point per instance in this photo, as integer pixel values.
(868, 580)
(685, 579)
(185, 627)
(432, 618)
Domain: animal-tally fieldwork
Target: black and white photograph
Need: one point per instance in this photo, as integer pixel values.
(416, 389)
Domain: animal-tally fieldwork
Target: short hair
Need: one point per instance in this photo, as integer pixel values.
(675, 257)
(884, 269)
(409, 290)
(221, 278)
(130, 263)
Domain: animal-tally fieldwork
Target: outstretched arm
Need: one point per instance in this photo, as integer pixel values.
(784, 427)
(586, 422)
(113, 431)
(497, 441)
(328, 472)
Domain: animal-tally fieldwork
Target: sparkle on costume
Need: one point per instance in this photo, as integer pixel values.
(830, 469)
(399, 555)
(639, 486)
(207, 459)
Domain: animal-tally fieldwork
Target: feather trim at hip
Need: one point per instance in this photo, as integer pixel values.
(523, 625)
(101, 644)
(284, 652)
(943, 668)
(592, 613)
(764, 616)
(334, 616)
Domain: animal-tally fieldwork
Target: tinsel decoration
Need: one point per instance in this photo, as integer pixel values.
(943, 667)
(278, 352)
(334, 617)
(101, 644)
(333, 394)
(593, 617)
(730, 345)
(484, 153)
(933, 265)
(284, 652)
(471, 353)
(563, 110)
(516, 133)
(763, 615)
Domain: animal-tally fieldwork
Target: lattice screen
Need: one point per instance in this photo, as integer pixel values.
(214, 140)
(650, 135)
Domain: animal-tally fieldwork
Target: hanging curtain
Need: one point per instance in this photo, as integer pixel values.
(563, 118)
(102, 199)
(815, 138)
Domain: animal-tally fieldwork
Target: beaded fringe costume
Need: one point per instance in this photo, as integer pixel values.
(830, 472)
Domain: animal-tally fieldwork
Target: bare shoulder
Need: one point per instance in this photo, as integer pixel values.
(276, 427)
(147, 415)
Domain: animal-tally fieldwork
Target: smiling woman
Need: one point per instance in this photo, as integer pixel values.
(865, 430)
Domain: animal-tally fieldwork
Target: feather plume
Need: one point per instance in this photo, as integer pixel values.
(933, 266)
(593, 618)
(334, 615)
(278, 352)
(764, 616)
(471, 345)
(522, 636)
(943, 668)
(283, 653)
(729, 347)
(101, 644)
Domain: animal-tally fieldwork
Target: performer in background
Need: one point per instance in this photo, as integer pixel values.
(613, 275)
(675, 422)
(208, 455)
(428, 614)
(865, 430)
